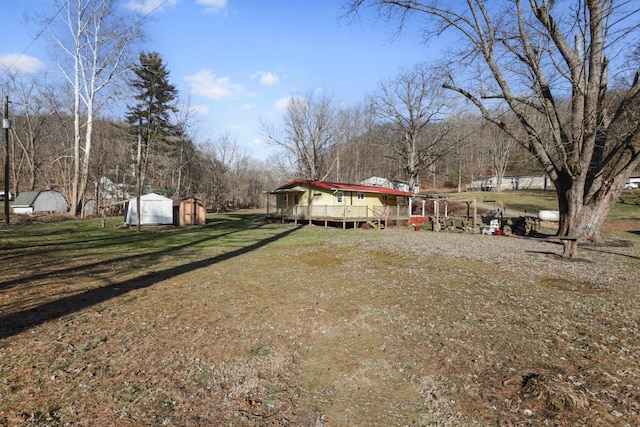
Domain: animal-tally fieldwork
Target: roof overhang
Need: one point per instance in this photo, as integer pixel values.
(334, 186)
(286, 190)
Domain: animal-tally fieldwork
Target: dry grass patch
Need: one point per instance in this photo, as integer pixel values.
(252, 324)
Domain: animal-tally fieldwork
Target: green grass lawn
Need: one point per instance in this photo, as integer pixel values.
(533, 201)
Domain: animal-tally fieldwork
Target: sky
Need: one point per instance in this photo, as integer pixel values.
(238, 61)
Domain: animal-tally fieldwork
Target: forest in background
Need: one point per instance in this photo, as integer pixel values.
(355, 144)
(537, 82)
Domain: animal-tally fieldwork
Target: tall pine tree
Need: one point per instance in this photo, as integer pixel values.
(150, 116)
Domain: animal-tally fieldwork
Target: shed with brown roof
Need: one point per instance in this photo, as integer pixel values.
(189, 211)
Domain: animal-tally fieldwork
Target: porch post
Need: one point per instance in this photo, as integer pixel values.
(475, 216)
(325, 216)
(267, 194)
(344, 217)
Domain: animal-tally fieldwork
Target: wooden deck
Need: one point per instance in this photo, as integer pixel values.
(378, 217)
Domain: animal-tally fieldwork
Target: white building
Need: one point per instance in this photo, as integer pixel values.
(514, 182)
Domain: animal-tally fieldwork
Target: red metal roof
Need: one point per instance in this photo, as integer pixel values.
(337, 186)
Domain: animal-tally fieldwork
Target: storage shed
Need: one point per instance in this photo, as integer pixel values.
(189, 211)
(155, 209)
(29, 202)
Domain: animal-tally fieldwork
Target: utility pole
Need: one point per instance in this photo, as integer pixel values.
(6, 125)
(139, 174)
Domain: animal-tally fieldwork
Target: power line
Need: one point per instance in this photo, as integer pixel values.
(36, 37)
(151, 12)
(50, 21)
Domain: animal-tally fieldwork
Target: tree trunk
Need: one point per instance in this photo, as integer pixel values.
(84, 173)
(579, 217)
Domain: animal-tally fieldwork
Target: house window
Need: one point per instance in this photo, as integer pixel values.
(360, 196)
(296, 199)
(340, 197)
(385, 197)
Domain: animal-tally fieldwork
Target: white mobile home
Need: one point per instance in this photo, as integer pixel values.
(519, 182)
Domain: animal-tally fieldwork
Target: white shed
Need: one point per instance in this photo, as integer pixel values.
(154, 210)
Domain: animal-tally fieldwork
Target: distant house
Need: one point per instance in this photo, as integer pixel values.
(90, 208)
(109, 190)
(376, 181)
(514, 182)
(154, 210)
(189, 211)
(322, 201)
(29, 202)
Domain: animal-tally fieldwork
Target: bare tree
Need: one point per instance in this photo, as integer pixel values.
(95, 53)
(186, 151)
(537, 54)
(32, 128)
(111, 159)
(235, 162)
(412, 104)
(464, 137)
(213, 184)
(307, 134)
(500, 146)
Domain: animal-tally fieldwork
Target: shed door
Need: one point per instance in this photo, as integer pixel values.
(189, 215)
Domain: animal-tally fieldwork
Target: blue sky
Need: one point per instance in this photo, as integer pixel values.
(241, 59)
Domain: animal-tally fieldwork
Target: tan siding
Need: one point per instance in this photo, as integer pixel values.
(314, 196)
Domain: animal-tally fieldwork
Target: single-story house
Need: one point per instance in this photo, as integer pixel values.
(303, 199)
(154, 210)
(29, 202)
(189, 211)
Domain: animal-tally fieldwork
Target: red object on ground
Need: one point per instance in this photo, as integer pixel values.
(419, 219)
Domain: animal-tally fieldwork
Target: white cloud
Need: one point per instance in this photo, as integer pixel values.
(21, 64)
(267, 78)
(198, 109)
(258, 142)
(205, 83)
(247, 107)
(282, 103)
(148, 6)
(213, 6)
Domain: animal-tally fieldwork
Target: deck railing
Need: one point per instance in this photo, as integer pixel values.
(340, 212)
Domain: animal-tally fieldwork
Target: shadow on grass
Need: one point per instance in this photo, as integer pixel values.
(123, 244)
(608, 252)
(20, 321)
(590, 247)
